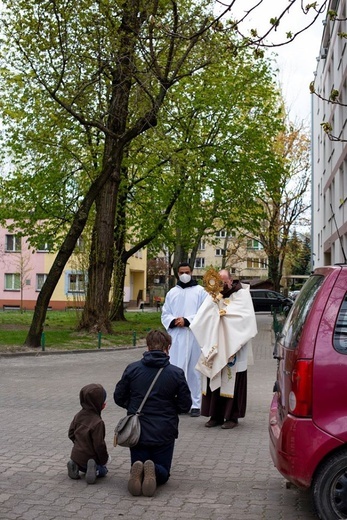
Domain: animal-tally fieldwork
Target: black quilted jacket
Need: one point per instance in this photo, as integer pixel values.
(169, 397)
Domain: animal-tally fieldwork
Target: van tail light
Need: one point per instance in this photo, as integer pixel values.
(300, 397)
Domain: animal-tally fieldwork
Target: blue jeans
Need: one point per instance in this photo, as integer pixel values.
(160, 455)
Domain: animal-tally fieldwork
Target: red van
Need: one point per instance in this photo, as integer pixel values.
(308, 413)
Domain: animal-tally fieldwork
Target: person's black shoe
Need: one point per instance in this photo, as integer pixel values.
(195, 412)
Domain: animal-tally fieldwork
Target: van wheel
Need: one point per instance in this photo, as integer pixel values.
(330, 488)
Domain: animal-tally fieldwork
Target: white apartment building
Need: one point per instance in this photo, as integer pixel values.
(329, 150)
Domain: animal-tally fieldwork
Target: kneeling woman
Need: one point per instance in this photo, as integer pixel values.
(151, 458)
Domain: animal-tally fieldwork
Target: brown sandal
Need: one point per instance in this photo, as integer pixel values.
(229, 425)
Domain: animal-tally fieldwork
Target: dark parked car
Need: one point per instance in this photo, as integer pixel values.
(266, 300)
(308, 413)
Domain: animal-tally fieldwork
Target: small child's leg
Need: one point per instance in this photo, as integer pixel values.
(101, 471)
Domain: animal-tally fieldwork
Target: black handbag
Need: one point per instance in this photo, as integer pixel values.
(128, 430)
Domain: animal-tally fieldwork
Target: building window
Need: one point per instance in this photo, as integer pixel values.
(202, 245)
(13, 243)
(199, 263)
(220, 252)
(221, 234)
(263, 263)
(254, 244)
(76, 282)
(40, 280)
(256, 263)
(80, 245)
(44, 247)
(12, 282)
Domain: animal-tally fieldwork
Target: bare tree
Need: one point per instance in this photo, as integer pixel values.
(285, 200)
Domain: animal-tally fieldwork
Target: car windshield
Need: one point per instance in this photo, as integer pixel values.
(303, 303)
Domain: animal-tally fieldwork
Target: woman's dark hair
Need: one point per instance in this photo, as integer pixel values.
(158, 340)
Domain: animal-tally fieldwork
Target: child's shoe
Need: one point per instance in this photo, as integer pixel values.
(91, 472)
(72, 470)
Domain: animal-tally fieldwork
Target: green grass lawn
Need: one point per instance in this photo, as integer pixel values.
(60, 331)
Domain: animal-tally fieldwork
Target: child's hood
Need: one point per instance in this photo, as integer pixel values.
(92, 397)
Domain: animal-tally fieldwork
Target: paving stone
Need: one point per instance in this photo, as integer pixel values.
(216, 474)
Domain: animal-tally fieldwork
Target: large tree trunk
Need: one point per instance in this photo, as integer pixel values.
(121, 256)
(95, 316)
(274, 271)
(117, 307)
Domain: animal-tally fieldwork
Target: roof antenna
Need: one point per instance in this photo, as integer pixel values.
(338, 234)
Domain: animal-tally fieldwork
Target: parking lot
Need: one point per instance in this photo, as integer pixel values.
(217, 474)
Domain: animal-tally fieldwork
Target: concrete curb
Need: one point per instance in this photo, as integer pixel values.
(76, 351)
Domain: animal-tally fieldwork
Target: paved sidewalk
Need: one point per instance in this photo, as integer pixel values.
(216, 474)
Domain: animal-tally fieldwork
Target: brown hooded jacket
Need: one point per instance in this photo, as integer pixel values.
(87, 430)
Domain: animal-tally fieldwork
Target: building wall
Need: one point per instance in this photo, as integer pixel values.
(329, 156)
(246, 258)
(136, 278)
(21, 272)
(27, 267)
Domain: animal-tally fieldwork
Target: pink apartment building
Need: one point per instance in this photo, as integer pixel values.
(23, 272)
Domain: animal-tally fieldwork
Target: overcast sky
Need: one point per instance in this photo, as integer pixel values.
(297, 63)
(296, 60)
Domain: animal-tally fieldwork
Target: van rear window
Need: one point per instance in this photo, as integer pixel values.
(340, 331)
(293, 326)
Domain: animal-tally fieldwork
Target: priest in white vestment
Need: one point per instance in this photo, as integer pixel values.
(181, 304)
(224, 327)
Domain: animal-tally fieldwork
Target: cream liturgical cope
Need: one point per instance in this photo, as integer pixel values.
(223, 327)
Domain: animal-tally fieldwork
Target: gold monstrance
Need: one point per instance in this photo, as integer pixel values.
(212, 282)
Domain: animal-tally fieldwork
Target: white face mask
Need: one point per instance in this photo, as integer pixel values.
(185, 278)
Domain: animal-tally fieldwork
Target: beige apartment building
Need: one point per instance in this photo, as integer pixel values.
(244, 257)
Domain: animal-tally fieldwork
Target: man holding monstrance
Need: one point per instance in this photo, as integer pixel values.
(223, 327)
